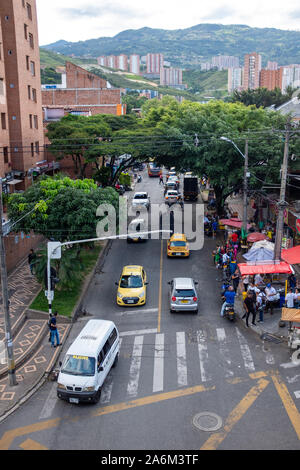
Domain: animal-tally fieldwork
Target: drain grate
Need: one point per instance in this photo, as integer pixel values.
(270, 337)
(207, 421)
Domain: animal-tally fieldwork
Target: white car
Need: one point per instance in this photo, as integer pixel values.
(141, 199)
(172, 197)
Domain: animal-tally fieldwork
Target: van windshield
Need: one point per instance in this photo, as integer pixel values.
(78, 365)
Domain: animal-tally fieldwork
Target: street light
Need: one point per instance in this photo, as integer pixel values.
(245, 157)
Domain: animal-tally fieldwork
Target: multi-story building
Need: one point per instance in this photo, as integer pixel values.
(290, 76)
(252, 68)
(114, 62)
(223, 62)
(234, 79)
(170, 76)
(271, 65)
(154, 63)
(5, 163)
(21, 77)
(270, 79)
(134, 64)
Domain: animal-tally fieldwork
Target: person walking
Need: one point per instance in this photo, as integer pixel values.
(246, 282)
(54, 331)
(290, 298)
(260, 305)
(271, 298)
(31, 260)
(161, 179)
(249, 304)
(235, 280)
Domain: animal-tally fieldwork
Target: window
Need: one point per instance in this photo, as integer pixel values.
(112, 337)
(29, 91)
(27, 62)
(37, 147)
(3, 120)
(1, 87)
(30, 121)
(32, 68)
(29, 11)
(34, 94)
(35, 120)
(31, 40)
(5, 154)
(25, 31)
(32, 149)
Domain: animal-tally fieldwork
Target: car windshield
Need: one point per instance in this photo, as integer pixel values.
(79, 365)
(131, 282)
(178, 243)
(140, 196)
(184, 293)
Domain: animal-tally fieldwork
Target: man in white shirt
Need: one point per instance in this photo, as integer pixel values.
(258, 280)
(290, 298)
(271, 295)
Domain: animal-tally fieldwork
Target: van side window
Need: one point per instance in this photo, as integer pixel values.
(100, 359)
(106, 347)
(112, 337)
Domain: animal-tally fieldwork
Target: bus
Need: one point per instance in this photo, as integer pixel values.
(154, 169)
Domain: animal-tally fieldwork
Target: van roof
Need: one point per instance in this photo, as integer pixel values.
(87, 342)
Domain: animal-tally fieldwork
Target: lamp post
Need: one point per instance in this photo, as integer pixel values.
(245, 157)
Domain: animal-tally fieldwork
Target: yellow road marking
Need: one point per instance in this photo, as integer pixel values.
(9, 436)
(160, 286)
(29, 444)
(215, 439)
(288, 403)
(152, 399)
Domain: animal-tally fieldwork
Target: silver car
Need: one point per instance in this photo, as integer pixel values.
(183, 295)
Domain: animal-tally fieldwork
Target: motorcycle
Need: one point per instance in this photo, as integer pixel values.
(208, 229)
(139, 179)
(229, 312)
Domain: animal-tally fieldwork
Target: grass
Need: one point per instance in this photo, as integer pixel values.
(66, 299)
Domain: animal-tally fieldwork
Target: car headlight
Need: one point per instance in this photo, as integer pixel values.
(142, 294)
(88, 389)
(61, 386)
(120, 295)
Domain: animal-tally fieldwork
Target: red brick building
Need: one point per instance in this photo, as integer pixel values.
(270, 79)
(22, 105)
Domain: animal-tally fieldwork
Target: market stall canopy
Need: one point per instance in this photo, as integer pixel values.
(265, 244)
(237, 223)
(291, 255)
(256, 236)
(290, 314)
(259, 254)
(261, 268)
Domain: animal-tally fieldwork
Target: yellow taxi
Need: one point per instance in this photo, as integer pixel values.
(132, 286)
(178, 246)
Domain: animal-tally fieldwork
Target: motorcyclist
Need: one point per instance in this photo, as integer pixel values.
(229, 296)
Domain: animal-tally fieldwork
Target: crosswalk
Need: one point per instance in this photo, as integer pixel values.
(208, 354)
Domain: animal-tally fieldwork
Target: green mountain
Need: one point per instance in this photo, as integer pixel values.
(189, 47)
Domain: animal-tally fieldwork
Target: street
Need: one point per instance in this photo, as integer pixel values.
(183, 380)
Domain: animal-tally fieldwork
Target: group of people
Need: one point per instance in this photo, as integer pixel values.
(225, 258)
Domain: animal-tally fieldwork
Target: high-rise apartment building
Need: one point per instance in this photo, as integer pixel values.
(223, 62)
(234, 79)
(270, 79)
(134, 64)
(21, 57)
(154, 63)
(271, 65)
(170, 76)
(114, 62)
(290, 76)
(252, 68)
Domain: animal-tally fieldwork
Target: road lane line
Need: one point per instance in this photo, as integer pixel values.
(137, 311)
(224, 352)
(158, 374)
(181, 359)
(245, 350)
(49, 403)
(203, 355)
(137, 332)
(288, 403)
(135, 366)
(236, 414)
(160, 287)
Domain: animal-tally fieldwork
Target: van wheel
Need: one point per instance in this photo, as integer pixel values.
(97, 396)
(115, 361)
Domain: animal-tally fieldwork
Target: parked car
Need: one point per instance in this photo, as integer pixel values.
(183, 295)
(141, 199)
(132, 286)
(178, 246)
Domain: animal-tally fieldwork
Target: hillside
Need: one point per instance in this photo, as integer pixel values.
(53, 59)
(188, 47)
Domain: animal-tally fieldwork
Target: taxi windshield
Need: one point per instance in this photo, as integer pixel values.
(131, 282)
(78, 365)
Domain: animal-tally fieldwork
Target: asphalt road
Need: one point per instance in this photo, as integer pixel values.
(184, 381)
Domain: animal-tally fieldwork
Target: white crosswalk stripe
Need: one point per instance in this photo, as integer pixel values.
(135, 366)
(245, 350)
(203, 355)
(158, 374)
(181, 359)
(224, 352)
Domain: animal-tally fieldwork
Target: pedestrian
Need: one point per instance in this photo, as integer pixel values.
(260, 305)
(49, 326)
(161, 179)
(54, 331)
(249, 304)
(253, 289)
(271, 295)
(297, 298)
(215, 226)
(258, 280)
(246, 282)
(292, 281)
(31, 260)
(229, 296)
(235, 280)
(290, 298)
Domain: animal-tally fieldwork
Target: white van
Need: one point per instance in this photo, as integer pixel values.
(88, 361)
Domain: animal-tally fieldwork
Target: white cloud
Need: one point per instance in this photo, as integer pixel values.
(78, 20)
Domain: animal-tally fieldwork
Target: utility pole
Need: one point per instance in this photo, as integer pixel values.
(282, 203)
(5, 301)
(245, 201)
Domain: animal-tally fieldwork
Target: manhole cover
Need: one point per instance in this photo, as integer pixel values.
(207, 421)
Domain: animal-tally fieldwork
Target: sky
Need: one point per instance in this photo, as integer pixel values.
(79, 20)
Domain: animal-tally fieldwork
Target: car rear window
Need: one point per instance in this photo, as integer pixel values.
(178, 243)
(184, 293)
(140, 196)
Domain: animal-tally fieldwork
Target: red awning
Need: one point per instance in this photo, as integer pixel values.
(256, 237)
(237, 223)
(252, 269)
(291, 255)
